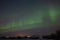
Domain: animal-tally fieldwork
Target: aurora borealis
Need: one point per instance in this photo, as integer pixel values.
(18, 15)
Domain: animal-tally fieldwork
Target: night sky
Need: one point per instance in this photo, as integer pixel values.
(29, 16)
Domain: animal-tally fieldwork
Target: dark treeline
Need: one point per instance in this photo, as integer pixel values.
(25, 37)
(54, 36)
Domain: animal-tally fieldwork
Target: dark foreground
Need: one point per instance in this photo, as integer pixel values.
(52, 36)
